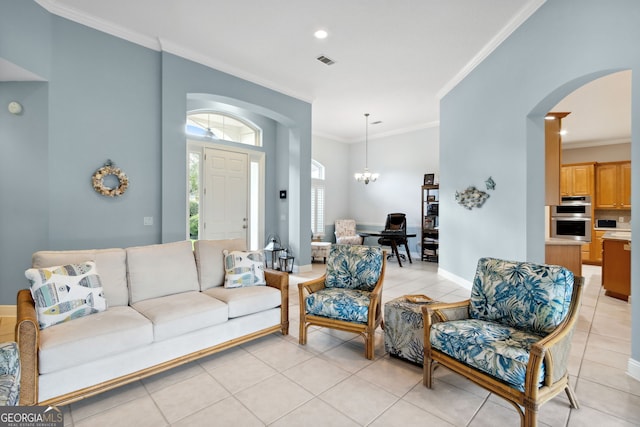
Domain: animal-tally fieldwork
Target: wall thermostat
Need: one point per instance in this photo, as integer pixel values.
(283, 194)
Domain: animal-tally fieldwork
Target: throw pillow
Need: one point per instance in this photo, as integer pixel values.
(66, 292)
(243, 269)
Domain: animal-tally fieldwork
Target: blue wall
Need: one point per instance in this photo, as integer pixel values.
(492, 125)
(106, 98)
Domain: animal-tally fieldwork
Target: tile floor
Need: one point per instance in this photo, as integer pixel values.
(274, 381)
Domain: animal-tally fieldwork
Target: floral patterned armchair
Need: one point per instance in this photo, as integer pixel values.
(346, 232)
(512, 336)
(9, 374)
(348, 296)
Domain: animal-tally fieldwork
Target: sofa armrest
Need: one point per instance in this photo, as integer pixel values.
(446, 311)
(28, 339)
(280, 280)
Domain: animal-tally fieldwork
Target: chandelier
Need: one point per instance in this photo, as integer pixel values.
(366, 176)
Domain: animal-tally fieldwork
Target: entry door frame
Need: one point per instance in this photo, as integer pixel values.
(256, 208)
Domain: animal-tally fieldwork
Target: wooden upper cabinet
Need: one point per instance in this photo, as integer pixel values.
(577, 179)
(553, 157)
(625, 187)
(613, 185)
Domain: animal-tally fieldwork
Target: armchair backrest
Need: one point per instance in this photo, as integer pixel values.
(531, 297)
(354, 267)
(396, 221)
(345, 227)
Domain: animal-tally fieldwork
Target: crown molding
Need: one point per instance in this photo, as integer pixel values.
(594, 143)
(162, 45)
(99, 24)
(524, 14)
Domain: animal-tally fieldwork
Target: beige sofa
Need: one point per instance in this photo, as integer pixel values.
(166, 306)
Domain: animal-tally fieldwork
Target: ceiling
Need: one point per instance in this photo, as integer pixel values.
(393, 59)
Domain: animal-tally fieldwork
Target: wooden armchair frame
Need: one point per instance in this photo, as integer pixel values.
(552, 350)
(367, 330)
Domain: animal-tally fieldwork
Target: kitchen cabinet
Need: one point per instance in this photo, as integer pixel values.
(553, 157)
(566, 253)
(577, 179)
(613, 185)
(616, 268)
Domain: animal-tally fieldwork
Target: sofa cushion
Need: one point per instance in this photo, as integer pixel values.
(66, 292)
(113, 331)
(111, 263)
(498, 350)
(159, 270)
(248, 300)
(210, 260)
(351, 305)
(524, 295)
(178, 314)
(354, 267)
(243, 268)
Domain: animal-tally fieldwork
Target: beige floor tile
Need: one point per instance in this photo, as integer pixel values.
(141, 412)
(447, 402)
(609, 400)
(227, 412)
(586, 416)
(315, 413)
(606, 357)
(347, 356)
(107, 400)
(283, 355)
(245, 371)
(172, 376)
(606, 342)
(391, 374)
(316, 375)
(359, 399)
(609, 376)
(184, 398)
(404, 414)
(273, 398)
(491, 414)
(319, 341)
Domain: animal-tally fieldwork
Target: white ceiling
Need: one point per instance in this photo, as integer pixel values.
(393, 59)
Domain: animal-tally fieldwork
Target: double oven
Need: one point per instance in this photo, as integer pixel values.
(572, 219)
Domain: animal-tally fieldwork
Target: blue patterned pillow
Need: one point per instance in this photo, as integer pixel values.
(531, 297)
(354, 267)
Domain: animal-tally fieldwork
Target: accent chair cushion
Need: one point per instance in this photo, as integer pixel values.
(353, 267)
(66, 292)
(243, 269)
(527, 296)
(498, 350)
(351, 305)
(9, 374)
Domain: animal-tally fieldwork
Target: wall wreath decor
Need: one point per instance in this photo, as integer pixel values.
(106, 170)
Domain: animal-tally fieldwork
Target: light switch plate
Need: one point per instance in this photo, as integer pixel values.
(148, 220)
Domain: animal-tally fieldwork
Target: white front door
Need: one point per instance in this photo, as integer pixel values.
(225, 195)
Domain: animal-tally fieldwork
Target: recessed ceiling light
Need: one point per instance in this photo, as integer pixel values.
(321, 34)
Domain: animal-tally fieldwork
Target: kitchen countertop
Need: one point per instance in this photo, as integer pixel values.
(564, 242)
(618, 235)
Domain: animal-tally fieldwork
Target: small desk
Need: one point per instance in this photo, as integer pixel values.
(394, 237)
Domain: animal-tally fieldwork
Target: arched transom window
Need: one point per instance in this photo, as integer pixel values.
(220, 126)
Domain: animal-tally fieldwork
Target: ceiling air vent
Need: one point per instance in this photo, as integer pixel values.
(325, 60)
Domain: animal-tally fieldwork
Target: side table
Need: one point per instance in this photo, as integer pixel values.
(404, 327)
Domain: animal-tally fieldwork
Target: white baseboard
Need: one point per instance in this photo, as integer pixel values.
(633, 369)
(457, 279)
(8, 311)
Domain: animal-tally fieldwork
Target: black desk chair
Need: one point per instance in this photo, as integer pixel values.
(396, 223)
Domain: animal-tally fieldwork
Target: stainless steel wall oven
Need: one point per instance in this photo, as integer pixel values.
(572, 219)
